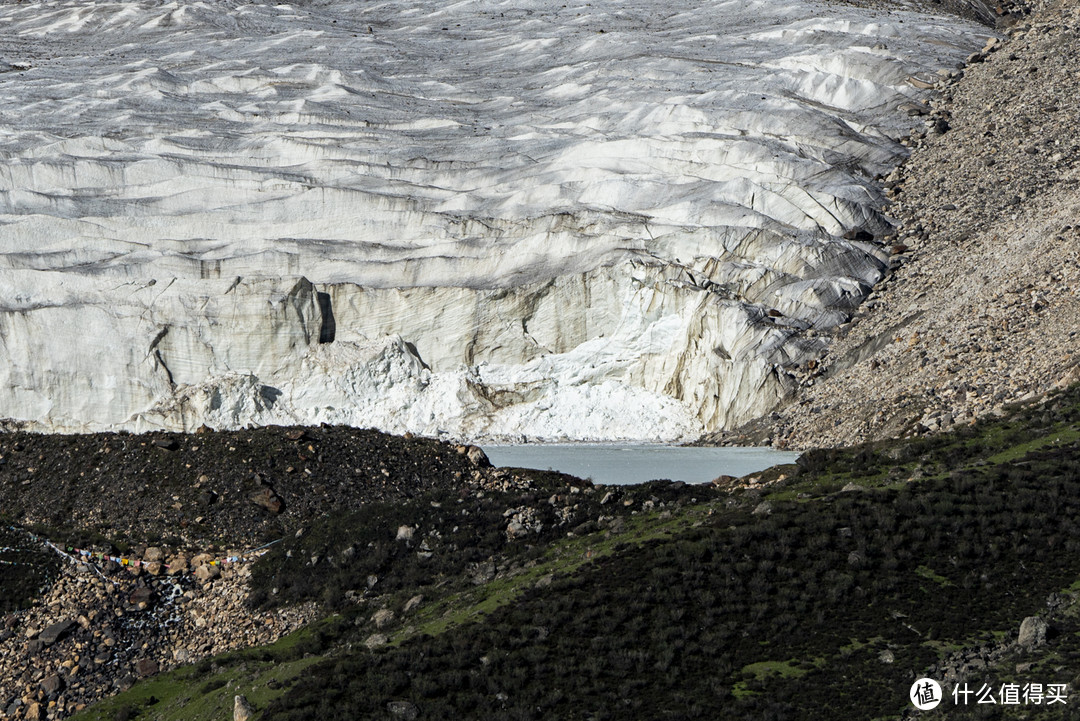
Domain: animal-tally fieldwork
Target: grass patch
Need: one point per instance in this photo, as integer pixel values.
(562, 558)
(762, 671)
(927, 573)
(205, 690)
(1063, 434)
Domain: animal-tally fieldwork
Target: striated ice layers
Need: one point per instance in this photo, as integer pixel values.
(603, 220)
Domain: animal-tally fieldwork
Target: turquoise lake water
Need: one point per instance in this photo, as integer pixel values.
(623, 464)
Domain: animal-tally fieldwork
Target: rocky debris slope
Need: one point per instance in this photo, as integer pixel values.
(248, 487)
(357, 518)
(99, 629)
(1022, 650)
(583, 221)
(183, 513)
(981, 307)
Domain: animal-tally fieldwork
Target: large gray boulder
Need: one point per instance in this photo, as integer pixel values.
(55, 632)
(1032, 632)
(242, 710)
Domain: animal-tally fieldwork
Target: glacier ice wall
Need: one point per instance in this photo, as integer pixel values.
(591, 220)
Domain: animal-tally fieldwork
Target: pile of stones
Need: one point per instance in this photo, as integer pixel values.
(101, 626)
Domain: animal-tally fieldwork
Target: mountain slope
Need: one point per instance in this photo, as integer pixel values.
(830, 589)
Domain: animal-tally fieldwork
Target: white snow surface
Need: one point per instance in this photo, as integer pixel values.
(483, 219)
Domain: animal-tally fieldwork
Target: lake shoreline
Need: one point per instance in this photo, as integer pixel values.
(624, 464)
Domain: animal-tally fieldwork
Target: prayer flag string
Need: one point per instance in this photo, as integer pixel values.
(96, 557)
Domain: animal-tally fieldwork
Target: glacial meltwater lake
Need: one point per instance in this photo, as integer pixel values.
(624, 464)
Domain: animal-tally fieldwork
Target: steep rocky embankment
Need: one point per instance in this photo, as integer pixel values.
(981, 307)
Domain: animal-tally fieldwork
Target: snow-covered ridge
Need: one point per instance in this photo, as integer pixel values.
(591, 221)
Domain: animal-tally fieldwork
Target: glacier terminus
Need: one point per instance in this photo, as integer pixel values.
(482, 219)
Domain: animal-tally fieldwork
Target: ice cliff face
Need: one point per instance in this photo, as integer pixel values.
(589, 221)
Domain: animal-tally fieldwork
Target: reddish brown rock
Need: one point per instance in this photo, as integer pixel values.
(146, 667)
(268, 500)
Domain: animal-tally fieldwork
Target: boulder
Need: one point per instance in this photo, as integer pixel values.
(206, 572)
(1032, 632)
(481, 572)
(242, 709)
(477, 457)
(141, 598)
(146, 667)
(52, 684)
(375, 640)
(403, 710)
(55, 632)
(268, 499)
(178, 564)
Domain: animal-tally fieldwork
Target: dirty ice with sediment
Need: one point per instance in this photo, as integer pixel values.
(488, 220)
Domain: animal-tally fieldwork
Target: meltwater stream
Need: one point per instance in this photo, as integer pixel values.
(611, 464)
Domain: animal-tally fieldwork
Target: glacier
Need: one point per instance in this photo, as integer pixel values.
(478, 219)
